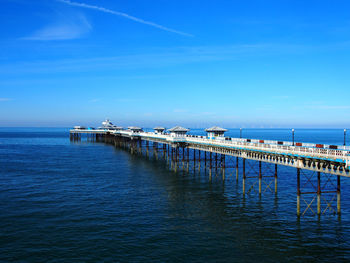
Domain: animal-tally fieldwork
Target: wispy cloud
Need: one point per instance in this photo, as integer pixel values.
(158, 58)
(127, 16)
(94, 100)
(180, 110)
(282, 97)
(330, 107)
(70, 27)
(5, 99)
(127, 100)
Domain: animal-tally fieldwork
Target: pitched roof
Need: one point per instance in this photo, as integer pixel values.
(178, 129)
(215, 129)
(159, 128)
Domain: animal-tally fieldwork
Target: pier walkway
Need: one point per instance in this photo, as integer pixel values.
(316, 157)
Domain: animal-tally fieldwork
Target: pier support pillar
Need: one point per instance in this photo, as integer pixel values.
(210, 160)
(194, 160)
(298, 192)
(275, 178)
(260, 178)
(237, 169)
(167, 154)
(171, 158)
(338, 195)
(176, 158)
(223, 164)
(199, 160)
(188, 159)
(244, 177)
(318, 193)
(183, 158)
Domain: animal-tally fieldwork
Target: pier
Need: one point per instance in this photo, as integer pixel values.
(255, 162)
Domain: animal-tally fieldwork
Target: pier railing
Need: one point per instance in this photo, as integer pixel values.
(336, 155)
(255, 145)
(303, 150)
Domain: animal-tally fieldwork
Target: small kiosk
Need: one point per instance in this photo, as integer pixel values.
(215, 132)
(159, 130)
(178, 131)
(135, 130)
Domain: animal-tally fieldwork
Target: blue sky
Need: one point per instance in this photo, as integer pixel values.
(234, 63)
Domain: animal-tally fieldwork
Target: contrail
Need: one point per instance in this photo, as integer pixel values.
(139, 20)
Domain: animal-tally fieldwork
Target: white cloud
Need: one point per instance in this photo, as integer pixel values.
(127, 100)
(5, 99)
(94, 100)
(283, 97)
(180, 110)
(158, 58)
(127, 16)
(69, 27)
(330, 107)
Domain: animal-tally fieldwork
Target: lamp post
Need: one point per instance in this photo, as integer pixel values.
(293, 136)
(240, 132)
(344, 137)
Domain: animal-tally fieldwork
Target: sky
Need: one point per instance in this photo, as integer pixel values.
(196, 63)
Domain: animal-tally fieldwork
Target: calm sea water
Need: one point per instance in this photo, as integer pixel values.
(89, 202)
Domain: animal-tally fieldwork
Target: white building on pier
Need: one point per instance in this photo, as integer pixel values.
(178, 131)
(215, 132)
(135, 129)
(159, 130)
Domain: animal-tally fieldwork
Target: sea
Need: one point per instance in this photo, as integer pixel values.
(85, 201)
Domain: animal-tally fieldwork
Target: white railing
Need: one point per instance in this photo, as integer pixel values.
(284, 149)
(87, 130)
(256, 145)
(154, 135)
